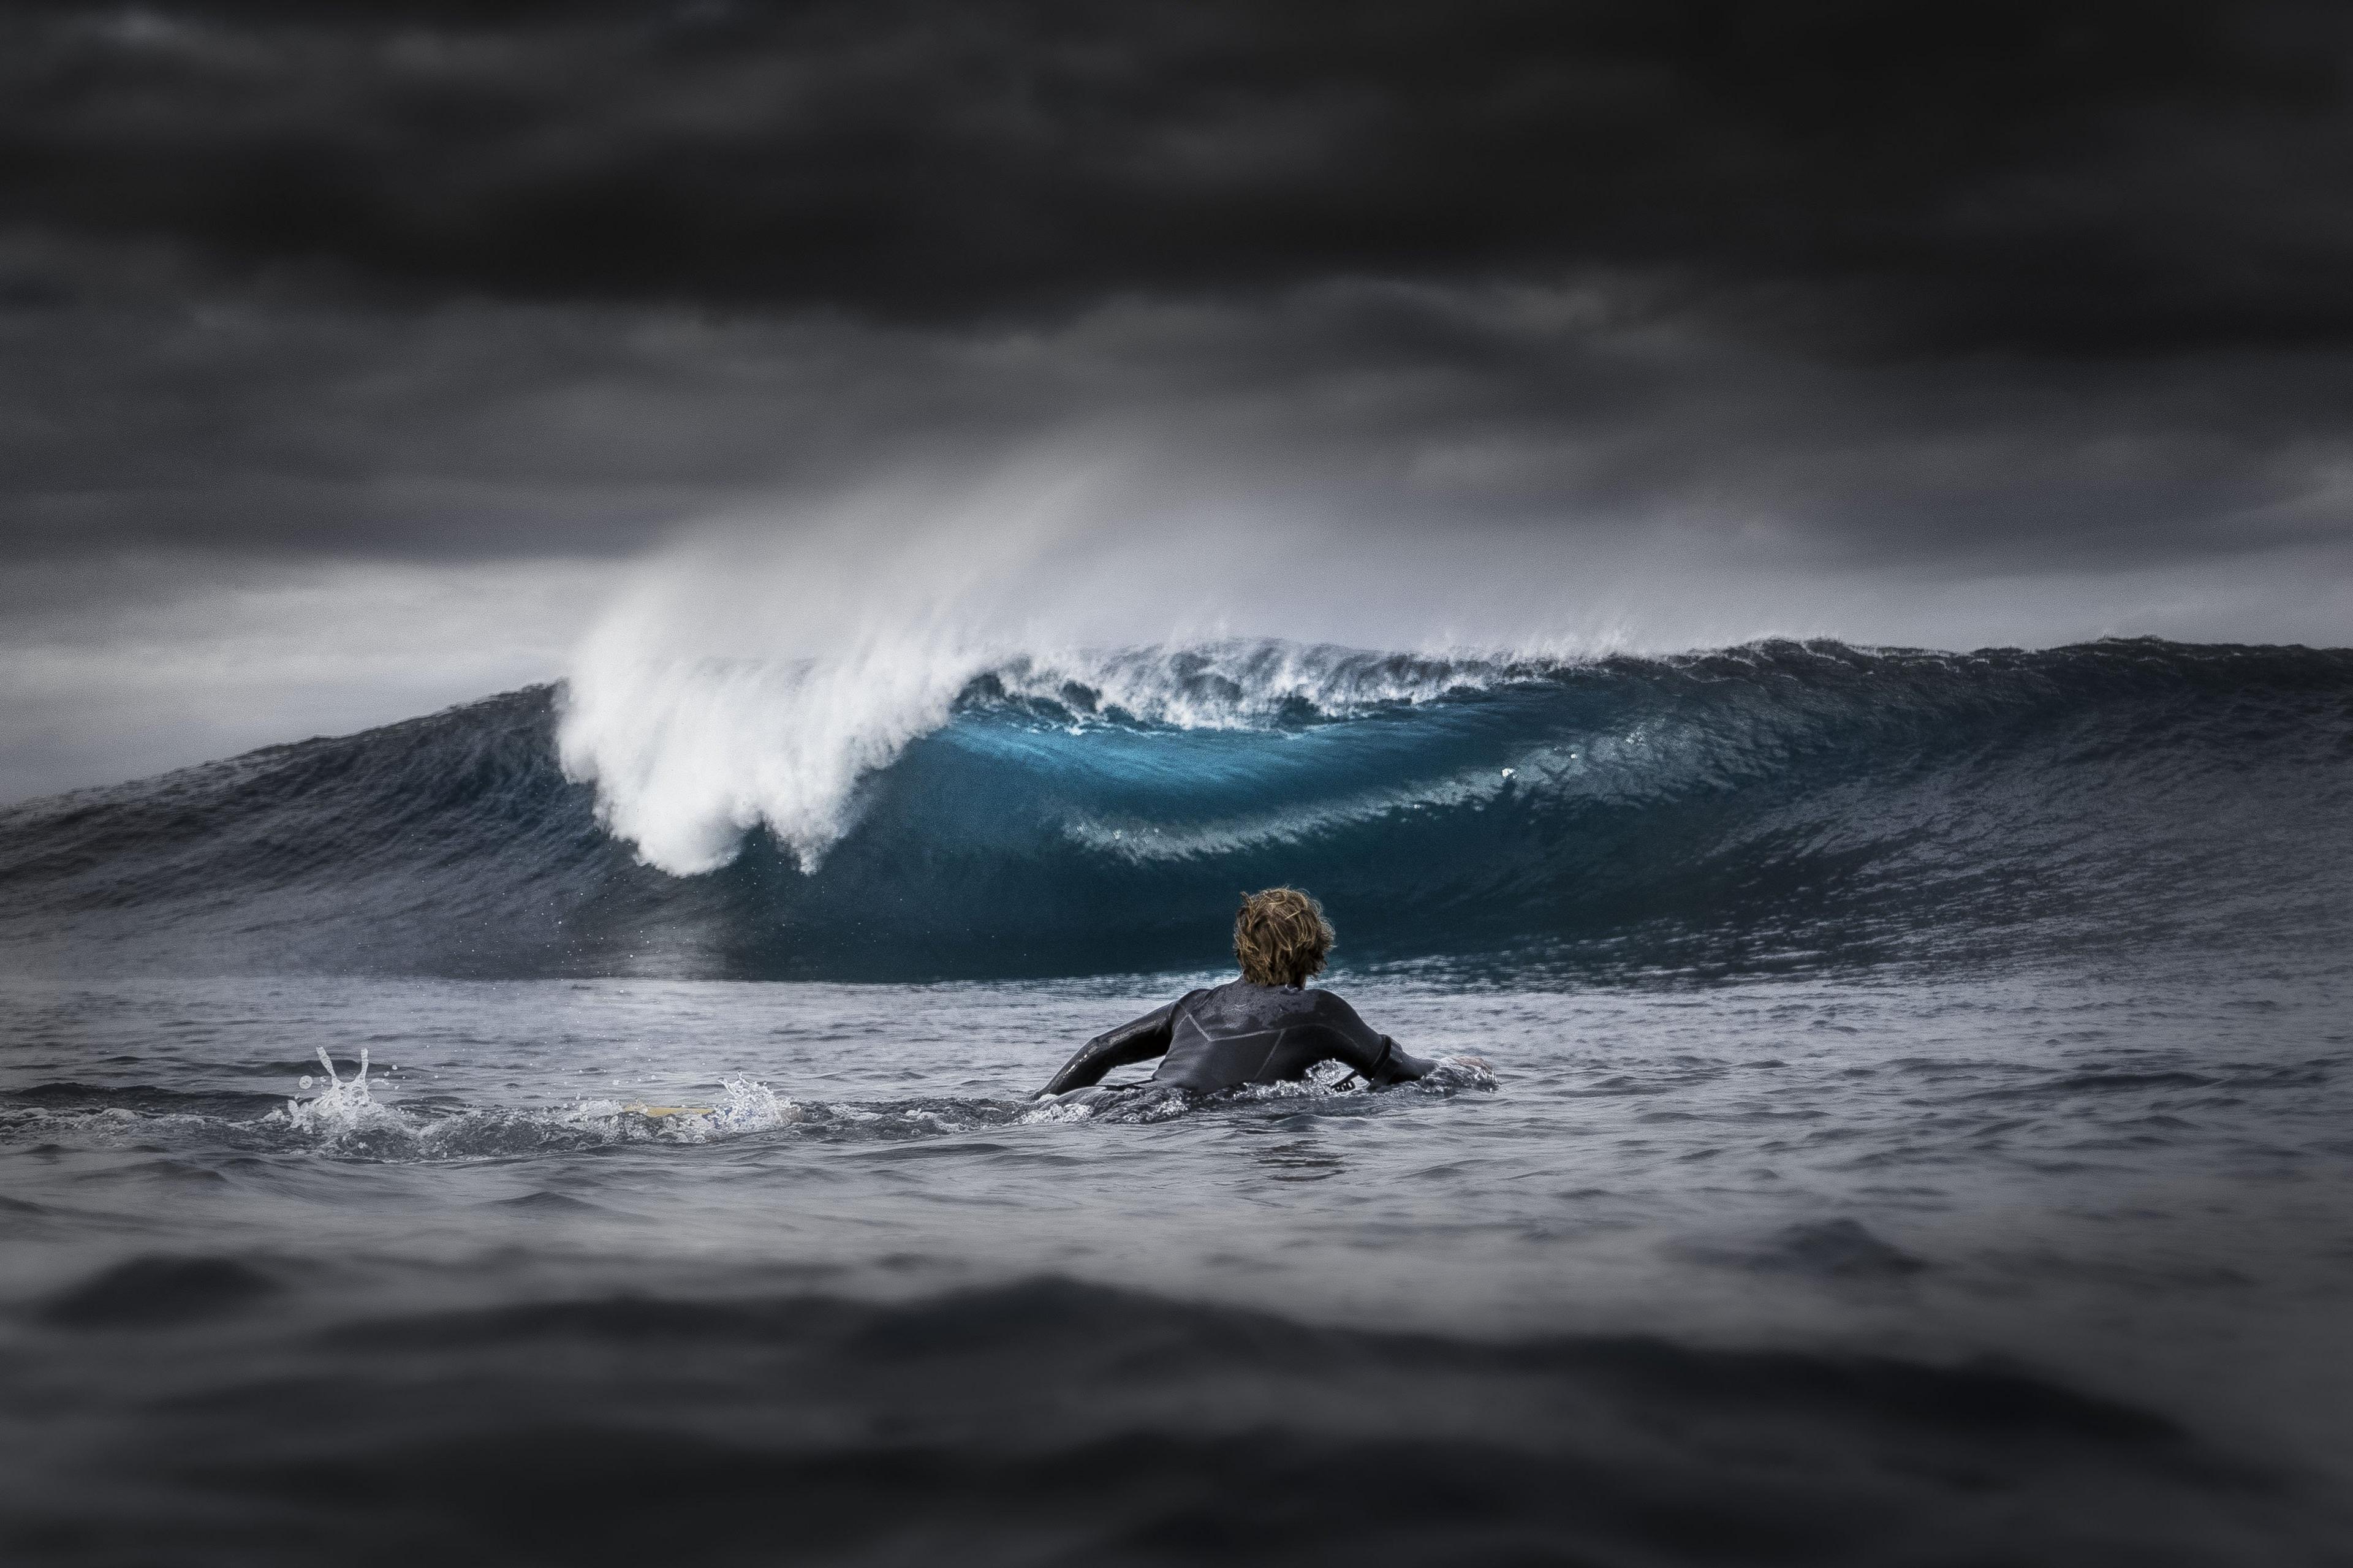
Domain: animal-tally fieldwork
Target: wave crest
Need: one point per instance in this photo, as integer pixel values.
(688, 756)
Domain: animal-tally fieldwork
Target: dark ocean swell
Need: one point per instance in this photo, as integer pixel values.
(1779, 804)
(1053, 1422)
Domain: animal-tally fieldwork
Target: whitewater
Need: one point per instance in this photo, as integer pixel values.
(1917, 1128)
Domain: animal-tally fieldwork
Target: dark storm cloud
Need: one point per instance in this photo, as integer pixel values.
(1997, 290)
(477, 431)
(2071, 178)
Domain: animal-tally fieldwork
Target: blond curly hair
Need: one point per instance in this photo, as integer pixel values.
(1282, 937)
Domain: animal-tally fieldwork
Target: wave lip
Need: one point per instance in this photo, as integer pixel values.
(688, 756)
(1033, 814)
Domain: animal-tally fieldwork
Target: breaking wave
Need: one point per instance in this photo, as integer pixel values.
(874, 818)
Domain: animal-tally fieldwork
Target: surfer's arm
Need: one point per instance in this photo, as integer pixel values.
(1371, 1054)
(1398, 1065)
(1138, 1042)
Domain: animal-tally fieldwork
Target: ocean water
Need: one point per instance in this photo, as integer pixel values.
(1917, 1130)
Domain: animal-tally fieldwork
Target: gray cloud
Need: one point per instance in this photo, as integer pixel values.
(482, 431)
(128, 664)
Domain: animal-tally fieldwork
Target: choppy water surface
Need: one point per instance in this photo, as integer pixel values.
(2017, 1265)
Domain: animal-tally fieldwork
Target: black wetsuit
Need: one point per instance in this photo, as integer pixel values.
(1239, 1032)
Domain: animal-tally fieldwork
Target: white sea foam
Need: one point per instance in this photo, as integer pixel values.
(757, 673)
(688, 755)
(754, 680)
(1248, 683)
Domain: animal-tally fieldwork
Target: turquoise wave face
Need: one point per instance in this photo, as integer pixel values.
(1759, 807)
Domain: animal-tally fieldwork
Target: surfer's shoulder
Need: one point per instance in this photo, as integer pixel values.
(1329, 1003)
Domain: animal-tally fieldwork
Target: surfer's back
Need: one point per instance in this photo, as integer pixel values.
(1242, 1032)
(1265, 1028)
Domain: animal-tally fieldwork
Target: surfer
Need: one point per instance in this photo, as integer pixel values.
(1264, 1027)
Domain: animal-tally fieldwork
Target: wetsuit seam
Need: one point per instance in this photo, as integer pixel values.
(1267, 1060)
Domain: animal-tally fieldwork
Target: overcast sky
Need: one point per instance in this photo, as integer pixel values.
(352, 356)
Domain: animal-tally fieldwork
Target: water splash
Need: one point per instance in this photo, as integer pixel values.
(345, 1119)
(751, 1106)
(342, 1107)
